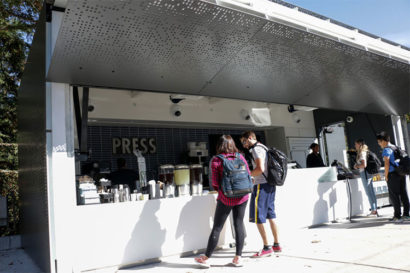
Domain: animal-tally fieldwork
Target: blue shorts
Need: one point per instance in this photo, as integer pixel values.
(262, 205)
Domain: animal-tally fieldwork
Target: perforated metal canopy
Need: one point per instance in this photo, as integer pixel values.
(199, 48)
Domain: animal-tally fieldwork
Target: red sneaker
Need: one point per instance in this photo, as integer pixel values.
(276, 248)
(202, 261)
(262, 253)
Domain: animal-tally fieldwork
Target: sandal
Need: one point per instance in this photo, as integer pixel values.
(202, 261)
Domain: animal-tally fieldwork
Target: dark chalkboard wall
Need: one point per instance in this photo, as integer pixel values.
(171, 144)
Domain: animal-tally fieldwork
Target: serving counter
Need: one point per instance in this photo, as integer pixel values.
(122, 234)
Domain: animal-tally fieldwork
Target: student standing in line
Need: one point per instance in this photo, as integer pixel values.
(262, 206)
(226, 147)
(395, 182)
(361, 162)
(314, 159)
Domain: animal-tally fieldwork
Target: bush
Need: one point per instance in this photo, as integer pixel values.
(8, 156)
(9, 189)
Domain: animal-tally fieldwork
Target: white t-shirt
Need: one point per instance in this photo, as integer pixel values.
(362, 156)
(259, 152)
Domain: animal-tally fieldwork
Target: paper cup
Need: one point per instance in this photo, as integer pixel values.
(134, 197)
(145, 197)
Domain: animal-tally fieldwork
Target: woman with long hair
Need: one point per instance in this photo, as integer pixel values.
(361, 163)
(226, 147)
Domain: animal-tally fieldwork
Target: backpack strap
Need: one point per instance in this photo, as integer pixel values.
(394, 149)
(221, 156)
(266, 149)
(261, 145)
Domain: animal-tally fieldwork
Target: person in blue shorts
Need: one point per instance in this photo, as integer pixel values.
(262, 205)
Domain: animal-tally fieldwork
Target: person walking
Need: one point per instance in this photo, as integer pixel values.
(395, 182)
(361, 162)
(262, 204)
(226, 147)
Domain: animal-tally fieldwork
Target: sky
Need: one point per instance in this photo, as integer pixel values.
(389, 19)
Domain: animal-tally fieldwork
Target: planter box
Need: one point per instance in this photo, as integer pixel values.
(10, 242)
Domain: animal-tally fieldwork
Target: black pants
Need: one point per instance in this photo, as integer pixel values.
(397, 193)
(221, 213)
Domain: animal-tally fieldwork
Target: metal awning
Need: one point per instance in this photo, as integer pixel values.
(199, 48)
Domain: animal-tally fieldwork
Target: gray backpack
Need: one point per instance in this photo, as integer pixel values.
(236, 181)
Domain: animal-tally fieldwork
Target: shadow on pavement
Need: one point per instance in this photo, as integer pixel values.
(170, 265)
(360, 222)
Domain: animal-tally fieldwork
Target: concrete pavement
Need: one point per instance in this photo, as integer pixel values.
(366, 245)
(17, 261)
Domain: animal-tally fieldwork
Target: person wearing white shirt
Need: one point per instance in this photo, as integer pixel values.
(262, 204)
(361, 163)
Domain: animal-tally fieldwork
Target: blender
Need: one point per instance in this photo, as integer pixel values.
(181, 177)
(195, 178)
(166, 176)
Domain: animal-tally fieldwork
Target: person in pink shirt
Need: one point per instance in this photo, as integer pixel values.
(226, 147)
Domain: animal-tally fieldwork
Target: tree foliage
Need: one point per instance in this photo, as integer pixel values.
(17, 23)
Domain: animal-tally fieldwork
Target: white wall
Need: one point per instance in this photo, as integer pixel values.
(61, 178)
(146, 106)
(120, 234)
(336, 144)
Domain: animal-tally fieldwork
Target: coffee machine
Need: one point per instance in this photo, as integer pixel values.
(198, 151)
(198, 154)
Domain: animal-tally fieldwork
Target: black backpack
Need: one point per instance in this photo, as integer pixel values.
(373, 163)
(236, 181)
(403, 167)
(277, 166)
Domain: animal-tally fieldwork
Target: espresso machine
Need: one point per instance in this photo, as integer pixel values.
(198, 154)
(198, 151)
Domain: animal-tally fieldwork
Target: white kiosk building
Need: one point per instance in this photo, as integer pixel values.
(100, 69)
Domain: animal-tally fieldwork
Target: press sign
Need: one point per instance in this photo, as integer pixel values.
(124, 145)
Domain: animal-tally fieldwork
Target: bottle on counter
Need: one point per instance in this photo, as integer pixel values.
(127, 196)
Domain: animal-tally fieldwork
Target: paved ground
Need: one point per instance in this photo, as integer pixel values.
(16, 261)
(366, 245)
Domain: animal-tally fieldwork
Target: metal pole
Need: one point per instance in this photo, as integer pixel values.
(77, 112)
(405, 130)
(84, 121)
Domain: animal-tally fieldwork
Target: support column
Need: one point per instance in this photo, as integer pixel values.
(405, 130)
(398, 131)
